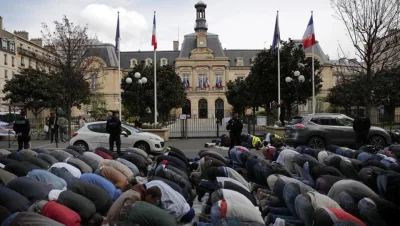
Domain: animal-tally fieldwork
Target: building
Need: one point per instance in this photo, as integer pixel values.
(204, 66)
(17, 51)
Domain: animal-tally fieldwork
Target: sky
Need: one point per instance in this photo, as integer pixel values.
(240, 24)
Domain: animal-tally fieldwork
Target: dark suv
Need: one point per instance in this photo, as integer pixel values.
(319, 130)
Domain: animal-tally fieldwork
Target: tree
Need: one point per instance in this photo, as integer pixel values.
(137, 98)
(31, 87)
(345, 95)
(373, 29)
(73, 63)
(236, 95)
(292, 58)
(386, 92)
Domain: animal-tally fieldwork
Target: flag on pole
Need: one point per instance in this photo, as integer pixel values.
(154, 37)
(117, 36)
(200, 83)
(186, 84)
(207, 83)
(277, 35)
(309, 36)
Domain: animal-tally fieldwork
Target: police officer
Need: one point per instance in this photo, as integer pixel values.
(361, 126)
(113, 127)
(22, 129)
(235, 127)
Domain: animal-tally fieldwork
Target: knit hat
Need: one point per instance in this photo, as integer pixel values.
(188, 217)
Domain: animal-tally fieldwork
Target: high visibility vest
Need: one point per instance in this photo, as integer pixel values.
(255, 140)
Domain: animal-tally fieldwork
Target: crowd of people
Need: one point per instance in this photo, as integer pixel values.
(276, 186)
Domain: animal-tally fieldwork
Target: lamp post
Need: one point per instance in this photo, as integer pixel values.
(137, 76)
(298, 79)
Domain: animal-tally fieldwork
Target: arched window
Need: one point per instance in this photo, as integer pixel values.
(187, 108)
(219, 108)
(203, 108)
(132, 63)
(149, 62)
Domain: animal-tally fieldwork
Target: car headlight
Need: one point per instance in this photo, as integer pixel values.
(154, 138)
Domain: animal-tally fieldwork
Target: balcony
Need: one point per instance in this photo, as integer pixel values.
(211, 89)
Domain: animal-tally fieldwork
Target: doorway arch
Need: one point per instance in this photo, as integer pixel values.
(219, 108)
(187, 108)
(203, 108)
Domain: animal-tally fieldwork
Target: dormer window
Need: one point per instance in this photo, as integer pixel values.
(133, 62)
(239, 61)
(12, 46)
(163, 61)
(252, 60)
(149, 62)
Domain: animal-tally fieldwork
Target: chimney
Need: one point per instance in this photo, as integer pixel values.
(1, 23)
(22, 34)
(37, 41)
(176, 45)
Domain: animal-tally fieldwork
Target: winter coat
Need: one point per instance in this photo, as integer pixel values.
(12, 200)
(173, 161)
(60, 155)
(173, 202)
(33, 219)
(103, 154)
(139, 161)
(118, 166)
(38, 162)
(48, 158)
(176, 155)
(20, 169)
(105, 150)
(163, 172)
(113, 126)
(32, 189)
(103, 183)
(130, 165)
(72, 169)
(78, 203)
(146, 214)
(77, 149)
(118, 208)
(62, 122)
(98, 196)
(22, 125)
(48, 178)
(117, 178)
(64, 174)
(174, 186)
(5, 161)
(40, 150)
(72, 152)
(89, 161)
(94, 157)
(4, 152)
(234, 187)
(16, 156)
(81, 165)
(213, 154)
(61, 213)
(137, 151)
(6, 177)
(28, 153)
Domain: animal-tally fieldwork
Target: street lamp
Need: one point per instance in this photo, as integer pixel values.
(137, 75)
(300, 79)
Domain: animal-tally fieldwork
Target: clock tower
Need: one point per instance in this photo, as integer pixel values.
(201, 26)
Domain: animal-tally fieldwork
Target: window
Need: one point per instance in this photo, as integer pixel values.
(149, 62)
(345, 121)
(252, 60)
(5, 59)
(98, 128)
(22, 61)
(13, 61)
(93, 82)
(4, 44)
(203, 81)
(132, 63)
(29, 62)
(239, 61)
(12, 46)
(13, 73)
(163, 61)
(326, 121)
(185, 80)
(218, 80)
(5, 74)
(126, 130)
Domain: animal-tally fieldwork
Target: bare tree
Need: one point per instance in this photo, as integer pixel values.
(74, 63)
(372, 26)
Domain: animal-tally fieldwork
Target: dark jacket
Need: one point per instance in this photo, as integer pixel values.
(12, 200)
(113, 126)
(6, 177)
(98, 196)
(64, 174)
(20, 169)
(361, 125)
(22, 126)
(146, 214)
(48, 158)
(90, 162)
(38, 162)
(235, 127)
(33, 219)
(78, 203)
(32, 189)
(53, 122)
(138, 124)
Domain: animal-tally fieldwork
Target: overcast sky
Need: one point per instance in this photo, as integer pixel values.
(240, 24)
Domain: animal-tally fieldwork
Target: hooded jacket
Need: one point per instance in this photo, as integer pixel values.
(117, 178)
(173, 202)
(48, 178)
(118, 166)
(94, 156)
(60, 213)
(78, 203)
(103, 183)
(12, 200)
(89, 161)
(98, 196)
(32, 189)
(82, 166)
(132, 167)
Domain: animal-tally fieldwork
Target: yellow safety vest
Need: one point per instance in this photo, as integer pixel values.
(255, 140)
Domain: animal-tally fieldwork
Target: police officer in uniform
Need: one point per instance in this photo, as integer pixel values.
(235, 127)
(113, 127)
(22, 129)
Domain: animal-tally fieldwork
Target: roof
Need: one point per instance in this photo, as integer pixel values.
(190, 43)
(317, 51)
(143, 55)
(246, 54)
(107, 53)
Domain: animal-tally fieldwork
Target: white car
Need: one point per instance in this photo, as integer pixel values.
(94, 135)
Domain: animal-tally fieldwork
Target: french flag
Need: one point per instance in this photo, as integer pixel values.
(200, 83)
(309, 36)
(186, 84)
(154, 37)
(207, 83)
(219, 84)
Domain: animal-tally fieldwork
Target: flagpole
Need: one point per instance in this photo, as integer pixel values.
(155, 85)
(119, 77)
(279, 69)
(313, 74)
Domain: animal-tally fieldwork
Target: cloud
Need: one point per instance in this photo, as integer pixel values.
(102, 21)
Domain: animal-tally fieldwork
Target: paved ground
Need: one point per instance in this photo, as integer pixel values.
(191, 146)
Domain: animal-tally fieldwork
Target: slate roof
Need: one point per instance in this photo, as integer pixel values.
(107, 53)
(213, 43)
(317, 51)
(246, 54)
(143, 55)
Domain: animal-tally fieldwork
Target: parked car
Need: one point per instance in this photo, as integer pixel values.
(94, 135)
(319, 130)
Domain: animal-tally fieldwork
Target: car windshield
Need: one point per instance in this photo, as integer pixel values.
(131, 128)
(296, 120)
(345, 121)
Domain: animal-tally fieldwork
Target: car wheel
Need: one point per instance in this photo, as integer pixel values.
(378, 142)
(82, 144)
(143, 145)
(316, 143)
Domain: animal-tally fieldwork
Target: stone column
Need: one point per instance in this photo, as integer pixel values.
(193, 78)
(211, 76)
